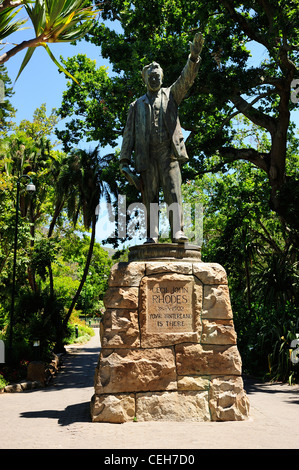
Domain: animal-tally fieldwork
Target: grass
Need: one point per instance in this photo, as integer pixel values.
(84, 333)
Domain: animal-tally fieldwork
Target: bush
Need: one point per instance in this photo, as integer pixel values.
(264, 341)
(84, 331)
(3, 382)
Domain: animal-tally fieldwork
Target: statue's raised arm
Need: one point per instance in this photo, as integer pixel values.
(187, 77)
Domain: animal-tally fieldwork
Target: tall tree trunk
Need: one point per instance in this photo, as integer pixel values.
(57, 211)
(85, 273)
(279, 148)
(247, 273)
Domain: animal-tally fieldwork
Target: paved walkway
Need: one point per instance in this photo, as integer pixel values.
(57, 417)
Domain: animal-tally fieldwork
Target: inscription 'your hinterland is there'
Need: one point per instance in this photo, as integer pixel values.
(169, 307)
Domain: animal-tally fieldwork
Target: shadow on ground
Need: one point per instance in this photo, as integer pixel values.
(79, 413)
(77, 371)
(254, 386)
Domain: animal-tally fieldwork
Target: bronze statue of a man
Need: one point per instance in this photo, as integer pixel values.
(153, 132)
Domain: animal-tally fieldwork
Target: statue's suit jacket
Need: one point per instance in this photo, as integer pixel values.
(136, 135)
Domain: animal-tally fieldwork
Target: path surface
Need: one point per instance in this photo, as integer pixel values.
(57, 417)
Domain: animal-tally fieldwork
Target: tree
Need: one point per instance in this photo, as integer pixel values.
(74, 252)
(236, 175)
(95, 106)
(7, 111)
(227, 85)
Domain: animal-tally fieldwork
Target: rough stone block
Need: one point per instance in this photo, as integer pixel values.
(113, 408)
(121, 297)
(13, 388)
(170, 309)
(172, 406)
(125, 370)
(126, 274)
(216, 302)
(168, 341)
(159, 267)
(197, 359)
(186, 382)
(210, 273)
(120, 329)
(218, 332)
(228, 400)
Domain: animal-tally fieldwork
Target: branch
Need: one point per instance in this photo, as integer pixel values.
(10, 4)
(269, 12)
(23, 45)
(231, 154)
(85, 272)
(257, 117)
(108, 4)
(285, 60)
(232, 115)
(247, 28)
(268, 80)
(259, 159)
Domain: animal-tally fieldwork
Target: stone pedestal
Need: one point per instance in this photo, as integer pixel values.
(168, 341)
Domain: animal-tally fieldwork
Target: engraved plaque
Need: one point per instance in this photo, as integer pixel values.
(169, 306)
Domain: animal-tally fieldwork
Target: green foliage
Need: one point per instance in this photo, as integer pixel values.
(236, 166)
(59, 265)
(261, 261)
(68, 269)
(3, 382)
(45, 252)
(8, 23)
(280, 367)
(243, 162)
(13, 374)
(84, 333)
(96, 98)
(41, 125)
(7, 111)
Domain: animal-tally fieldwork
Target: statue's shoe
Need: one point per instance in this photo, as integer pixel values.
(180, 237)
(149, 240)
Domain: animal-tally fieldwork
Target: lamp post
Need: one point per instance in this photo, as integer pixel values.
(30, 188)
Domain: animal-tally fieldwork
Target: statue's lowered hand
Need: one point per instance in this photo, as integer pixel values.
(133, 179)
(197, 45)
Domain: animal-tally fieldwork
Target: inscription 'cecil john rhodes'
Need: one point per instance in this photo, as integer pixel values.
(169, 307)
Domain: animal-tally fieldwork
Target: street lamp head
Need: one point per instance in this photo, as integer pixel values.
(30, 187)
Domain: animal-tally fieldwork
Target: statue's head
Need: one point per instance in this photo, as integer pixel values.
(152, 75)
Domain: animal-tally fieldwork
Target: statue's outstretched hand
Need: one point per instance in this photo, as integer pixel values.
(196, 46)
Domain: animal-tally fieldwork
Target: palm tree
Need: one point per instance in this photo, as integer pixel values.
(82, 183)
(53, 21)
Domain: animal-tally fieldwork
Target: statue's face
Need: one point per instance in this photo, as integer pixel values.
(154, 77)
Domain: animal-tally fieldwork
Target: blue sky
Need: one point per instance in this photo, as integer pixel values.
(40, 81)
